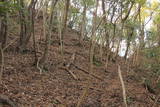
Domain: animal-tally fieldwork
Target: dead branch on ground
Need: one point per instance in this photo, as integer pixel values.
(13, 41)
(85, 71)
(123, 86)
(67, 67)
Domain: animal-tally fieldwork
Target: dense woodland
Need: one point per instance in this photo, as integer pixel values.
(80, 53)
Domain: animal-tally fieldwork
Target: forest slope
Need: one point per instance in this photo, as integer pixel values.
(56, 87)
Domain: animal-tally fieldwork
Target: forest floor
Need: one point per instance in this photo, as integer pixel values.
(23, 83)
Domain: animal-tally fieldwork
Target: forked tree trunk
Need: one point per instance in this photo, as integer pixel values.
(123, 20)
(48, 33)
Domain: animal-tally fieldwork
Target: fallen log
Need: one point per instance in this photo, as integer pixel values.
(70, 72)
(67, 67)
(93, 75)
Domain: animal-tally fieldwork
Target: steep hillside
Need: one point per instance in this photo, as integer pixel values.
(57, 87)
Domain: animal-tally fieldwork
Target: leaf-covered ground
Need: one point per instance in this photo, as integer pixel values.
(23, 83)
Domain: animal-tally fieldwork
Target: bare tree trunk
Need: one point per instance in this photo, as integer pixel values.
(64, 27)
(104, 20)
(142, 43)
(117, 48)
(158, 30)
(3, 27)
(65, 16)
(32, 17)
(107, 36)
(141, 38)
(92, 47)
(102, 42)
(43, 60)
(2, 63)
(83, 24)
(27, 22)
(123, 20)
(129, 42)
(119, 41)
(23, 32)
(60, 32)
(3, 32)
